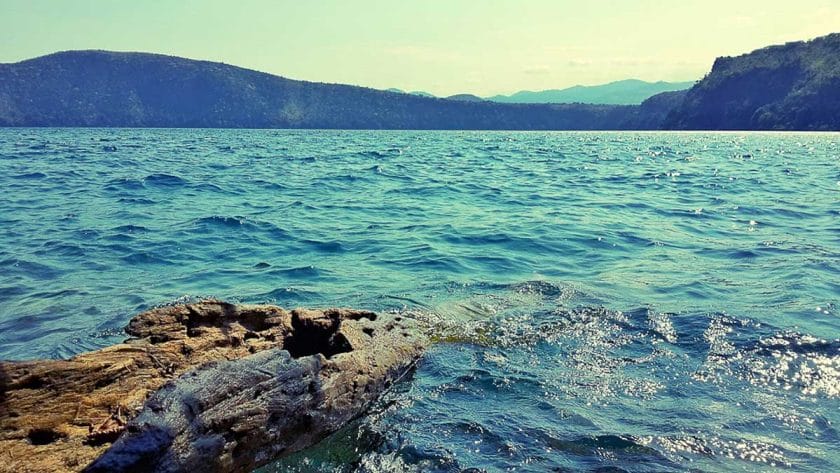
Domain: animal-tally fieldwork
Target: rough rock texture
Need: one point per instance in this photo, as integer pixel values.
(210, 385)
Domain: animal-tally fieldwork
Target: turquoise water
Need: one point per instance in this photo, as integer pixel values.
(643, 301)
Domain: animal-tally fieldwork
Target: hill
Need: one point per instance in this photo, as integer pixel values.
(465, 98)
(416, 92)
(795, 86)
(625, 92)
(101, 88)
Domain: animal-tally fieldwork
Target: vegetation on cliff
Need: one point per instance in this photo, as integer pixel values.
(795, 86)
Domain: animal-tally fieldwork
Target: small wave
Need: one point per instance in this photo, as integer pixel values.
(242, 223)
(129, 228)
(543, 288)
(720, 448)
(136, 200)
(524, 244)
(209, 186)
(611, 443)
(424, 190)
(325, 246)
(30, 175)
(794, 360)
(61, 294)
(221, 221)
(341, 178)
(439, 262)
(373, 154)
(727, 254)
(785, 360)
(144, 258)
(60, 248)
(286, 296)
(269, 185)
(31, 269)
(488, 238)
(303, 272)
(164, 180)
(10, 292)
(303, 206)
(124, 183)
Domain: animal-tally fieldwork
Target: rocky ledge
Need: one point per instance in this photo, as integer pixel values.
(209, 386)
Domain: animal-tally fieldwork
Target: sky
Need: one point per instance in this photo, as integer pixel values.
(445, 47)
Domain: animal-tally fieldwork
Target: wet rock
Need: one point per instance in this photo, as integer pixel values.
(210, 385)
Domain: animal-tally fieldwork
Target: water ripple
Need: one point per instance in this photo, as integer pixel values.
(600, 301)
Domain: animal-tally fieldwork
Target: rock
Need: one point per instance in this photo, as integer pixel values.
(209, 385)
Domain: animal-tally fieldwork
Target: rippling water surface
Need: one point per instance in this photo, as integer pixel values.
(602, 301)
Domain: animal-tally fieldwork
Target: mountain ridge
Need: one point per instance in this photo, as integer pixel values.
(621, 92)
(107, 88)
(794, 86)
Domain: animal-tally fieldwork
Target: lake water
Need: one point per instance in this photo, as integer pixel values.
(643, 301)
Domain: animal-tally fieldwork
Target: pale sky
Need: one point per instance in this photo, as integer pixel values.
(440, 46)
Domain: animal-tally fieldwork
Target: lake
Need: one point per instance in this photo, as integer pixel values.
(642, 301)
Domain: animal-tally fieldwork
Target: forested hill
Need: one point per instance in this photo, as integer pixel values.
(99, 88)
(795, 86)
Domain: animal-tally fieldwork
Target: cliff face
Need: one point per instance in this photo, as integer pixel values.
(98, 88)
(795, 86)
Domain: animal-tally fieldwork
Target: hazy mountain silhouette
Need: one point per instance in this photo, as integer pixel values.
(623, 92)
(415, 92)
(465, 98)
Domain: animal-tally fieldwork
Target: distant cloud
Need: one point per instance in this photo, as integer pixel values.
(537, 70)
(422, 53)
(631, 61)
(819, 22)
(634, 61)
(739, 21)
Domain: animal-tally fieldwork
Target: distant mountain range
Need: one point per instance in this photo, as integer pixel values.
(101, 88)
(790, 87)
(623, 92)
(465, 98)
(461, 97)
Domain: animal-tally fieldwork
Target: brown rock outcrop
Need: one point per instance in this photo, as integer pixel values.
(209, 385)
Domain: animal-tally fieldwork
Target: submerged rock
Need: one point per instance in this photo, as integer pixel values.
(209, 385)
